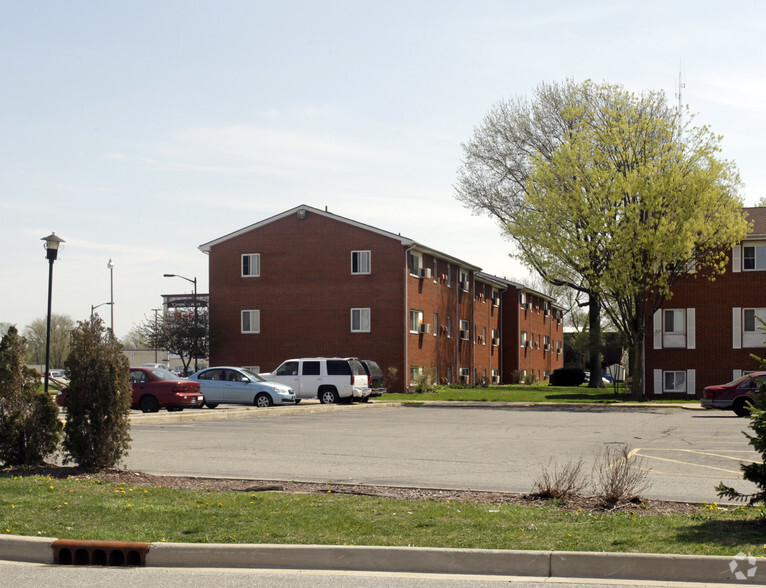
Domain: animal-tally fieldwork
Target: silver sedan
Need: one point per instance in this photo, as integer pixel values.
(234, 385)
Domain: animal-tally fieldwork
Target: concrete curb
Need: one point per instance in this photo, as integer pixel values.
(425, 560)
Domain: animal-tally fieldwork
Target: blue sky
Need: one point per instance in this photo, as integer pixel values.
(139, 130)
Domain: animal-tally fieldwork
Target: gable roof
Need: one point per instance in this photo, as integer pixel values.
(756, 215)
(405, 241)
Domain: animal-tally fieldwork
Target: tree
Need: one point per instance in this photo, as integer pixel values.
(514, 137)
(135, 339)
(35, 333)
(29, 424)
(184, 334)
(631, 198)
(96, 434)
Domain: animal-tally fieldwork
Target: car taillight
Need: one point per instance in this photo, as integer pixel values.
(180, 389)
(369, 381)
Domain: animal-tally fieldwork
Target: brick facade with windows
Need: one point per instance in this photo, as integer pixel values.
(707, 331)
(308, 283)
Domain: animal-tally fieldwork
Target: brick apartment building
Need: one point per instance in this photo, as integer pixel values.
(307, 282)
(706, 333)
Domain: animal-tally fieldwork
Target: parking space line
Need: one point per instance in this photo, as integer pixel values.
(637, 452)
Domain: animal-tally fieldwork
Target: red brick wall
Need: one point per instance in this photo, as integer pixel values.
(305, 294)
(714, 358)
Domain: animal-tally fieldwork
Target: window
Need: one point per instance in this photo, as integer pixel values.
(495, 338)
(674, 382)
(449, 275)
(546, 342)
(436, 277)
(558, 347)
(416, 372)
(495, 297)
(484, 335)
(524, 341)
(360, 262)
(465, 375)
(416, 319)
(674, 328)
(310, 368)
(754, 257)
(360, 320)
(674, 322)
(751, 319)
(338, 367)
(289, 368)
(449, 327)
(465, 327)
(747, 327)
(251, 321)
(416, 262)
(523, 300)
(464, 283)
(436, 329)
(251, 265)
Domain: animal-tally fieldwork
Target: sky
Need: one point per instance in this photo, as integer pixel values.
(138, 131)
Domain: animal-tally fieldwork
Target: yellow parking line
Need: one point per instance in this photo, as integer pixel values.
(696, 465)
(701, 453)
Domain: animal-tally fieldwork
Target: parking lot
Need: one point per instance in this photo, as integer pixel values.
(686, 452)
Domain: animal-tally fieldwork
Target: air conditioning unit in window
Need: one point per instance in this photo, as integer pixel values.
(424, 272)
(496, 341)
(527, 344)
(495, 379)
(464, 334)
(464, 285)
(496, 300)
(464, 379)
(547, 347)
(424, 328)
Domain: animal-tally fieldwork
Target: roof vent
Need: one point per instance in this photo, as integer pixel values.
(302, 214)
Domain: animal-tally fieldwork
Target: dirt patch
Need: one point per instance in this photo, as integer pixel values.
(128, 477)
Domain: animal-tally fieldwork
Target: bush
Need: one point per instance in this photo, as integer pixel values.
(618, 475)
(560, 483)
(567, 377)
(29, 426)
(96, 434)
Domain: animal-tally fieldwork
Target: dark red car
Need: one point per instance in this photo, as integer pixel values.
(736, 395)
(156, 388)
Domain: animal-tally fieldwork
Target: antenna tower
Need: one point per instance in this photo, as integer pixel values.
(681, 84)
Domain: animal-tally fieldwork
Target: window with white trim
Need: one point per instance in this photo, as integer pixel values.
(465, 375)
(416, 319)
(251, 321)
(416, 262)
(436, 325)
(524, 339)
(361, 262)
(674, 328)
(674, 381)
(251, 265)
(484, 335)
(495, 337)
(465, 328)
(754, 257)
(360, 320)
(752, 327)
(449, 275)
(465, 285)
(416, 371)
(449, 327)
(436, 273)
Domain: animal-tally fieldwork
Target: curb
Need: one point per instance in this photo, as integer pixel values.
(423, 560)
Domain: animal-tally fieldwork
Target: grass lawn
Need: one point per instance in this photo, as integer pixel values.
(90, 509)
(521, 393)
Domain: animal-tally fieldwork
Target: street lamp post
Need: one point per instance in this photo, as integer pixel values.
(93, 308)
(156, 310)
(52, 243)
(110, 265)
(196, 316)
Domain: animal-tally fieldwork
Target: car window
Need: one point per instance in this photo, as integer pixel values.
(163, 374)
(310, 368)
(356, 367)
(340, 367)
(254, 376)
(374, 369)
(137, 377)
(233, 376)
(289, 368)
(211, 375)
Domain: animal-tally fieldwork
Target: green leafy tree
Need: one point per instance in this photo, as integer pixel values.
(29, 426)
(629, 199)
(184, 334)
(35, 334)
(96, 434)
(135, 339)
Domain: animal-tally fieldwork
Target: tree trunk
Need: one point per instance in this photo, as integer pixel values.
(594, 340)
(637, 369)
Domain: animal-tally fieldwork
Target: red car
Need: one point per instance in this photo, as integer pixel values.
(736, 395)
(155, 388)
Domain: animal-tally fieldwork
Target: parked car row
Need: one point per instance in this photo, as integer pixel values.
(330, 380)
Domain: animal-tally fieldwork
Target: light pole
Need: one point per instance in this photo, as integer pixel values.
(52, 243)
(93, 308)
(156, 310)
(110, 265)
(196, 316)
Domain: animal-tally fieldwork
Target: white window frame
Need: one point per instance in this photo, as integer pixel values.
(363, 258)
(415, 372)
(464, 280)
(415, 263)
(744, 338)
(253, 322)
(436, 275)
(758, 258)
(683, 333)
(464, 327)
(449, 327)
(524, 338)
(416, 319)
(360, 320)
(678, 384)
(254, 259)
(436, 325)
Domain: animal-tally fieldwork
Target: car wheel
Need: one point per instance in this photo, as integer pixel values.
(365, 399)
(297, 401)
(263, 400)
(741, 406)
(149, 404)
(328, 396)
(211, 404)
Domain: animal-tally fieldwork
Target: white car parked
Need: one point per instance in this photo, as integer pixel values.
(233, 385)
(331, 380)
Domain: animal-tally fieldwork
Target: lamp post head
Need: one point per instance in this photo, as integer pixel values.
(52, 243)
(110, 265)
(168, 275)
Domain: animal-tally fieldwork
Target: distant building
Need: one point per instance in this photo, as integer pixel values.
(307, 282)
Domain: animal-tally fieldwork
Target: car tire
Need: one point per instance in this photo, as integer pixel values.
(741, 406)
(263, 400)
(297, 401)
(365, 399)
(211, 404)
(328, 396)
(149, 404)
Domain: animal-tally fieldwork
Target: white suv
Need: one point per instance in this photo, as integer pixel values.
(330, 380)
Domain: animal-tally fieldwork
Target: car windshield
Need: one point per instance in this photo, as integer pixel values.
(254, 376)
(162, 374)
